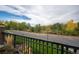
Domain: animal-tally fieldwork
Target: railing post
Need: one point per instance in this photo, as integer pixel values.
(14, 41)
(66, 50)
(62, 49)
(2, 28)
(75, 51)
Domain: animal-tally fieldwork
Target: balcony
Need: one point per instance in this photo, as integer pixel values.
(21, 42)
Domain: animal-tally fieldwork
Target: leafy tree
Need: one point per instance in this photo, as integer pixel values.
(57, 28)
(11, 25)
(70, 26)
(37, 28)
(22, 26)
(77, 26)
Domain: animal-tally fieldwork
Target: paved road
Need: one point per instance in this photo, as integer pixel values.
(69, 40)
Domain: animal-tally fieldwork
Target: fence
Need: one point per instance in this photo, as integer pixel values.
(30, 45)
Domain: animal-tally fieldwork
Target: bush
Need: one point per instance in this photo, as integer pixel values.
(8, 50)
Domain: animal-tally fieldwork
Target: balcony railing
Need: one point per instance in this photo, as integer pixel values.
(26, 44)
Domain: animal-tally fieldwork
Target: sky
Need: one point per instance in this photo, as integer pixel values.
(39, 14)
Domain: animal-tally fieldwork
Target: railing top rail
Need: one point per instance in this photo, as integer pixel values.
(68, 41)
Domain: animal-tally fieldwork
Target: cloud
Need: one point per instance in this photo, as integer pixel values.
(8, 13)
(8, 9)
(44, 15)
(52, 14)
(38, 20)
(66, 17)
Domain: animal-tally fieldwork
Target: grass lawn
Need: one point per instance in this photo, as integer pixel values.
(39, 47)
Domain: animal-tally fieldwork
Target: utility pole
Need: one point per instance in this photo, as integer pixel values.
(47, 34)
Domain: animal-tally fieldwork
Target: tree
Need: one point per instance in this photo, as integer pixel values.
(70, 26)
(22, 26)
(57, 28)
(2, 23)
(37, 28)
(11, 25)
(77, 28)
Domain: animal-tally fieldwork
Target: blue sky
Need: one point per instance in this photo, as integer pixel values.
(9, 16)
(40, 14)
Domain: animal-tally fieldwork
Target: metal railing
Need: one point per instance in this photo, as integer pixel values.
(27, 45)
